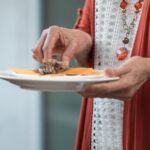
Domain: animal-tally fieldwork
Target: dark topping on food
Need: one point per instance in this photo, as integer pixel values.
(52, 66)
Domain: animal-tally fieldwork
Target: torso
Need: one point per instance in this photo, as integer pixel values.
(108, 113)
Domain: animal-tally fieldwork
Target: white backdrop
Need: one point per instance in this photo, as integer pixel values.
(20, 110)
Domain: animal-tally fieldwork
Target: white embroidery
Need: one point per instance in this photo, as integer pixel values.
(108, 113)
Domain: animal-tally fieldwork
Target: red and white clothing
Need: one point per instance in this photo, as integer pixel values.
(107, 120)
(106, 123)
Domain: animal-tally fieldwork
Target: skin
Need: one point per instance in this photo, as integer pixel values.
(132, 76)
(71, 43)
(68, 43)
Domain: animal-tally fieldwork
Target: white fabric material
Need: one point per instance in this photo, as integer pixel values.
(108, 113)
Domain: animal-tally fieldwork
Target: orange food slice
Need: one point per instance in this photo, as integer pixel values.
(25, 71)
(80, 71)
(70, 71)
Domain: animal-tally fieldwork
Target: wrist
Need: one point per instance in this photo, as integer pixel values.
(147, 65)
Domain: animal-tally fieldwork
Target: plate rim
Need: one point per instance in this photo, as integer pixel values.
(7, 75)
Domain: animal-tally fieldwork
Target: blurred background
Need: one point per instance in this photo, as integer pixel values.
(31, 120)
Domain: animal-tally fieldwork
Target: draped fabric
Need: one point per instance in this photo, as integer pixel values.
(136, 123)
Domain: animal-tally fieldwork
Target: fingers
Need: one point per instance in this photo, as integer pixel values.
(123, 89)
(109, 86)
(122, 94)
(104, 89)
(48, 43)
(53, 40)
(37, 51)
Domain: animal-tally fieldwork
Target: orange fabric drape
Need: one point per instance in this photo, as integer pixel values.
(85, 22)
(136, 124)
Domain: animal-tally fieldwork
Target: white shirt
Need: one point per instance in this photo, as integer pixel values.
(107, 119)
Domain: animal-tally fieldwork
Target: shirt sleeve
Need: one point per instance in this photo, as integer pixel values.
(83, 20)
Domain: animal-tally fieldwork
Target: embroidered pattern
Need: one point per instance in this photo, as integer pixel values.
(108, 113)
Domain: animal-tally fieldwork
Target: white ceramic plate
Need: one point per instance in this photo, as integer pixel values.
(53, 83)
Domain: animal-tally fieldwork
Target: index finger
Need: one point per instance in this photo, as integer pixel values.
(53, 38)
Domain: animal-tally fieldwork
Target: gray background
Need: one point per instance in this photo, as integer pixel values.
(30, 120)
(62, 109)
(20, 110)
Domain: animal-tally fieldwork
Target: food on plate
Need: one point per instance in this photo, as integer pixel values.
(52, 66)
(80, 71)
(69, 71)
(56, 67)
(25, 71)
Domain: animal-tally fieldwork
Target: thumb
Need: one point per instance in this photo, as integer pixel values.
(116, 72)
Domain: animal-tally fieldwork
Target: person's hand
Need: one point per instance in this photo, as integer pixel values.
(66, 42)
(132, 75)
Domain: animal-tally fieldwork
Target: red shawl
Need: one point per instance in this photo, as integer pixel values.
(136, 124)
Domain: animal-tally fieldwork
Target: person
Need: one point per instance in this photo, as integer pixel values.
(112, 35)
